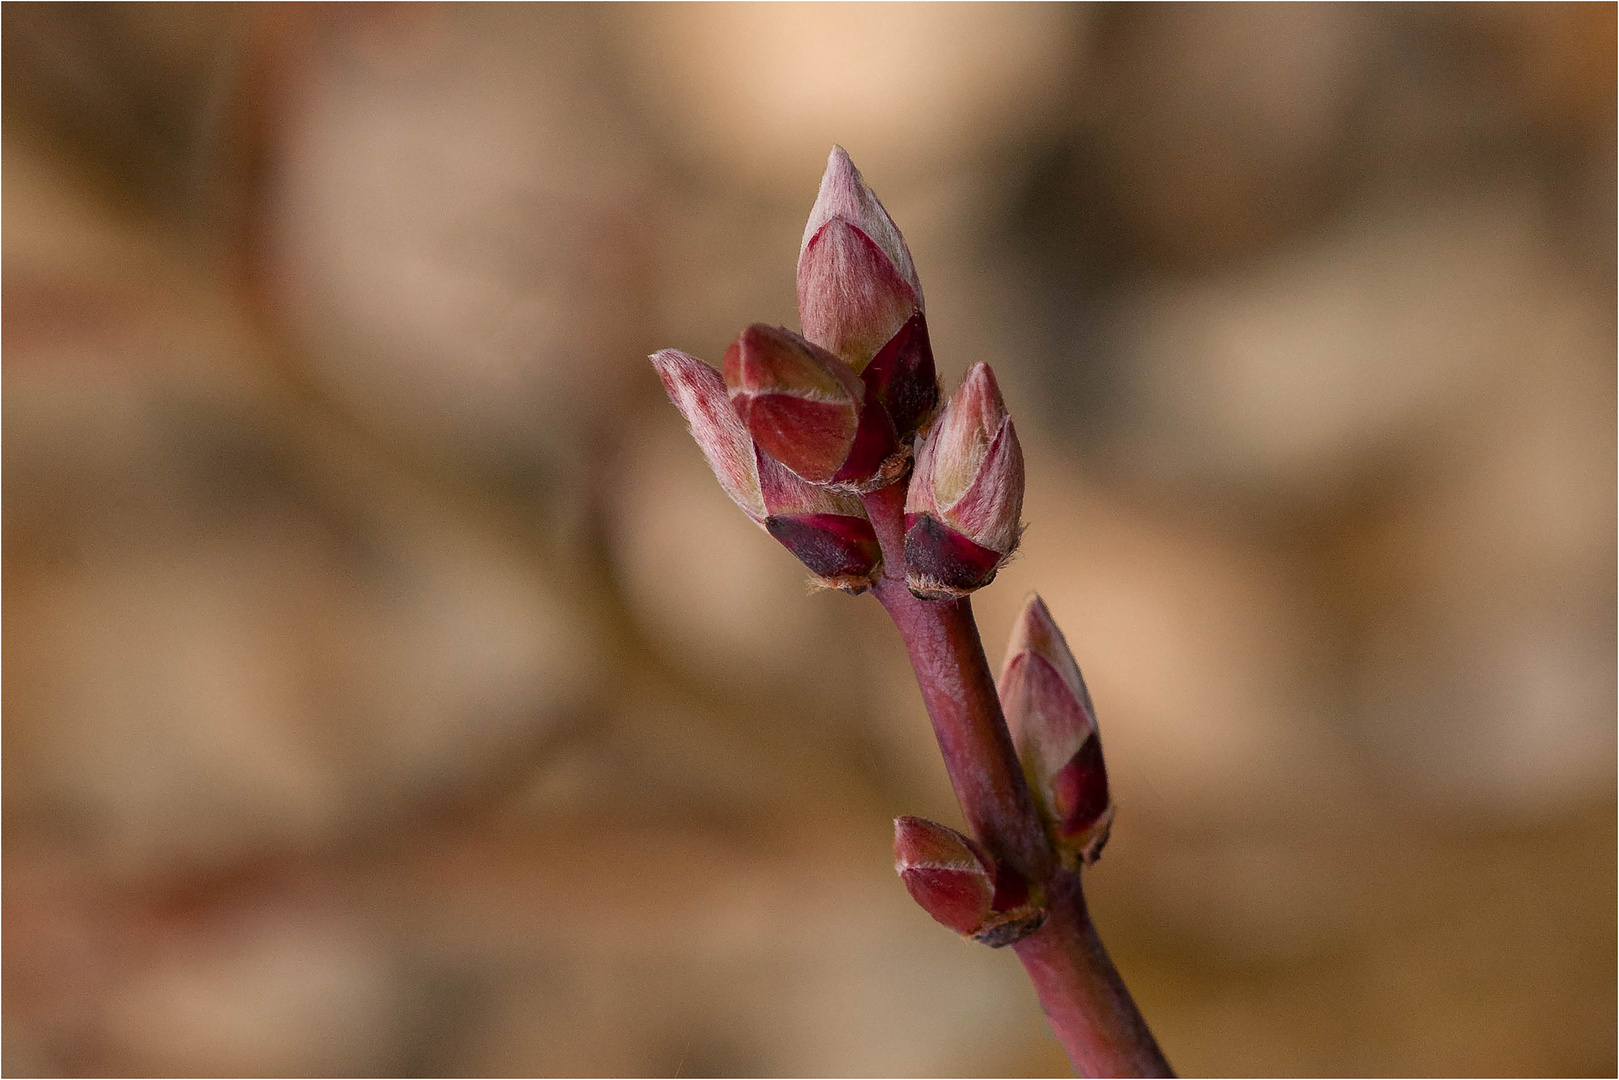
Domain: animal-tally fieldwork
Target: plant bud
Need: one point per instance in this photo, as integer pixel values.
(859, 296)
(856, 283)
(966, 495)
(1053, 725)
(805, 408)
(960, 885)
(827, 531)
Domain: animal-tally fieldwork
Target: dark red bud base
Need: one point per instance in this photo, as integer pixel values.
(1011, 889)
(1013, 915)
(902, 377)
(942, 564)
(839, 549)
(1080, 789)
(1011, 929)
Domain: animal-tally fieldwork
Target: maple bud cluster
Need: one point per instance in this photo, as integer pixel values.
(798, 426)
(812, 434)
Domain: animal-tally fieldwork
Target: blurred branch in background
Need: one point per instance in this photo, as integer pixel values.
(367, 660)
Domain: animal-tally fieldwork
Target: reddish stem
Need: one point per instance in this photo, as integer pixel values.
(1089, 1007)
(1087, 1003)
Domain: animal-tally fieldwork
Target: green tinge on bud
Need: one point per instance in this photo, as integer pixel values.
(827, 531)
(963, 507)
(805, 408)
(1053, 725)
(961, 886)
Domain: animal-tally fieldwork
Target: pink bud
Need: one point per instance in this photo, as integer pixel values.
(966, 495)
(699, 393)
(944, 873)
(858, 295)
(1053, 725)
(960, 885)
(856, 283)
(827, 531)
(805, 408)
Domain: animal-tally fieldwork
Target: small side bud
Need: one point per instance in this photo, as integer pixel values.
(961, 886)
(805, 408)
(828, 532)
(1053, 725)
(963, 507)
(859, 296)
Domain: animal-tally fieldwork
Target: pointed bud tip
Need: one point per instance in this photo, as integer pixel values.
(857, 282)
(673, 365)
(1049, 713)
(843, 193)
(919, 841)
(980, 395)
(1036, 631)
(1033, 628)
(840, 170)
(944, 873)
(698, 391)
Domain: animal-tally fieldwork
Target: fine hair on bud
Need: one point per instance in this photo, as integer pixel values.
(827, 531)
(859, 296)
(698, 391)
(964, 505)
(857, 283)
(805, 408)
(956, 881)
(1053, 726)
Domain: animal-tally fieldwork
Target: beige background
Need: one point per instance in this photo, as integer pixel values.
(391, 690)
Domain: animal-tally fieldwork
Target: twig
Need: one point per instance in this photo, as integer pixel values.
(835, 444)
(1086, 1001)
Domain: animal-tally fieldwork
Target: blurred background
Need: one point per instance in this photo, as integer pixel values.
(391, 690)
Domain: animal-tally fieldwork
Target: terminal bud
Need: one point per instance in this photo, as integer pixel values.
(859, 296)
(857, 284)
